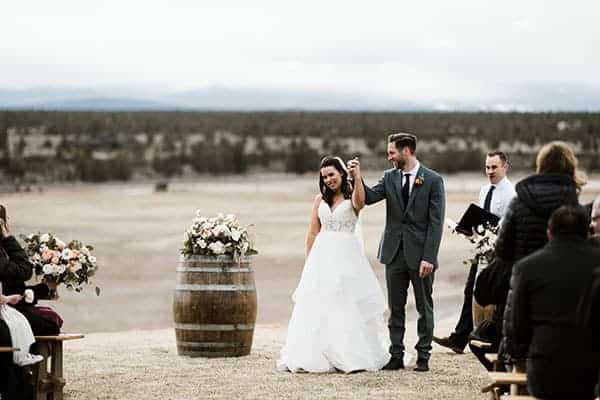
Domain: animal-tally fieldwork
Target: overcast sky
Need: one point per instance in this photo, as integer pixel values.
(420, 50)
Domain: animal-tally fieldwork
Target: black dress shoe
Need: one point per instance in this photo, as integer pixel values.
(394, 364)
(447, 342)
(422, 366)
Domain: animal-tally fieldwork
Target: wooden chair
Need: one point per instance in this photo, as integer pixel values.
(481, 344)
(8, 349)
(49, 383)
(514, 379)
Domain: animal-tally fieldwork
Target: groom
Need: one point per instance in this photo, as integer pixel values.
(409, 246)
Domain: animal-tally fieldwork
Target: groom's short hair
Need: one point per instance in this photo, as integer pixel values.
(402, 140)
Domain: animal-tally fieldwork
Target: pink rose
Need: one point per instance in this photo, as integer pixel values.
(54, 260)
(60, 244)
(75, 254)
(47, 255)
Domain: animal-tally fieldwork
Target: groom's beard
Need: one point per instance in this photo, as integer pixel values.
(399, 164)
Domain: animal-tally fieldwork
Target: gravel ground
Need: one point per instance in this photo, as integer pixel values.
(145, 364)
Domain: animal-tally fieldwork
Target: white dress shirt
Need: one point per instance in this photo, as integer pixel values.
(501, 196)
(413, 175)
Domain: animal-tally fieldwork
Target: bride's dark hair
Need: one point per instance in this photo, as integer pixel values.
(326, 192)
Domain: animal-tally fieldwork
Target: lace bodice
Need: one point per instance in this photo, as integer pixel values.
(341, 219)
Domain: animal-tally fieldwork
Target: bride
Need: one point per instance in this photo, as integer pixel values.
(337, 322)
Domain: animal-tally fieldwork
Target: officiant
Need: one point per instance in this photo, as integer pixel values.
(494, 197)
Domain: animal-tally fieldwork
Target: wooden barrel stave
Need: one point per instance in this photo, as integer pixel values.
(214, 307)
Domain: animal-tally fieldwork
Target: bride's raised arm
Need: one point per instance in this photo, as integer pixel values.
(358, 190)
(315, 224)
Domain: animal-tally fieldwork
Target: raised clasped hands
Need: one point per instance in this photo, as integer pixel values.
(354, 168)
(425, 269)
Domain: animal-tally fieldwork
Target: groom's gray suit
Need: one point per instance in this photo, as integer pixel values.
(412, 234)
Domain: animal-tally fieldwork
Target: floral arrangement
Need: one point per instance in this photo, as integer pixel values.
(218, 235)
(485, 241)
(54, 261)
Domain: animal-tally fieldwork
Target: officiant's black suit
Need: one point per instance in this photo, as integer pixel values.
(413, 231)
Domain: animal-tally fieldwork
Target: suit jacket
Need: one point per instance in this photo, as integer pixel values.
(417, 226)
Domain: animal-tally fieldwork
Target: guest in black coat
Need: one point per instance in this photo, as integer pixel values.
(523, 228)
(547, 299)
(14, 267)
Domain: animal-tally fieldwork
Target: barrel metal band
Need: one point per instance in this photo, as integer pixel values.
(214, 327)
(216, 288)
(219, 345)
(213, 269)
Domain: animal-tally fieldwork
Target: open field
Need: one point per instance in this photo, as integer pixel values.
(137, 234)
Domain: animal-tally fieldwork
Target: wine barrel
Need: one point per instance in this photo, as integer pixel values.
(214, 306)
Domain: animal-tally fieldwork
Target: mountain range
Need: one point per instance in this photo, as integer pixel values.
(529, 97)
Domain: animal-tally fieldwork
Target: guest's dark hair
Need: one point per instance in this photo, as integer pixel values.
(569, 220)
(402, 140)
(326, 192)
(500, 154)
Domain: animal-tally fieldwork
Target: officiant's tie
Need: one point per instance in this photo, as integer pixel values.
(406, 188)
(488, 198)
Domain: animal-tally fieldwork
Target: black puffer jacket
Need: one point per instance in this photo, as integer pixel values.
(523, 231)
(524, 226)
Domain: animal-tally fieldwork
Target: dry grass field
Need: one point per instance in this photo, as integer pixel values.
(137, 234)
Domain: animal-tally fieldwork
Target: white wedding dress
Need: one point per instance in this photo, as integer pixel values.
(338, 317)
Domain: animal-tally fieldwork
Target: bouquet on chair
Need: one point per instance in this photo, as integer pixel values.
(71, 264)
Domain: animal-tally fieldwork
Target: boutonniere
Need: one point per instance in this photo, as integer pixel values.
(419, 180)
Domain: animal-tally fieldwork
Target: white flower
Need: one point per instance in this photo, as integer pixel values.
(235, 234)
(245, 247)
(30, 236)
(222, 230)
(36, 257)
(66, 254)
(28, 295)
(217, 247)
(48, 269)
(85, 250)
(59, 269)
(92, 259)
(43, 248)
(44, 238)
(201, 243)
(206, 234)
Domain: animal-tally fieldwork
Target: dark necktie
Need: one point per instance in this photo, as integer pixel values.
(406, 188)
(488, 198)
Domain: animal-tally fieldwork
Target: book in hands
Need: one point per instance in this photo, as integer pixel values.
(475, 217)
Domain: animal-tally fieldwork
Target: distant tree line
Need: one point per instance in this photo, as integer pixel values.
(86, 134)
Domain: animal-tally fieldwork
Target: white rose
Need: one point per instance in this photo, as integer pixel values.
(44, 238)
(28, 295)
(225, 231)
(48, 269)
(85, 250)
(66, 254)
(217, 247)
(92, 259)
(235, 234)
(59, 269)
(201, 243)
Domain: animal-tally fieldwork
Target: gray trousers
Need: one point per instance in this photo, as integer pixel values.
(398, 277)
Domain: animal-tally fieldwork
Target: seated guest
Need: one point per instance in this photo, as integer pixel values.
(523, 229)
(43, 320)
(545, 297)
(14, 266)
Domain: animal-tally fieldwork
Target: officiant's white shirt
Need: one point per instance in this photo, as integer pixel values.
(501, 196)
